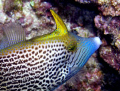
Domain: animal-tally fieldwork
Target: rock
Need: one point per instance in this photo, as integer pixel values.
(111, 56)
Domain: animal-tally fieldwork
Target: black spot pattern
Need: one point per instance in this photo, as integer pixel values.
(39, 67)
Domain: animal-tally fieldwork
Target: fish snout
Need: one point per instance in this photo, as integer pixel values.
(97, 41)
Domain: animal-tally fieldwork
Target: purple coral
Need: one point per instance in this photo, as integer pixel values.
(111, 56)
(107, 7)
(110, 26)
(41, 7)
(110, 7)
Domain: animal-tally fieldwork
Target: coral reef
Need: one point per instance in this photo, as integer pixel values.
(117, 43)
(110, 26)
(41, 7)
(12, 5)
(107, 7)
(111, 56)
(24, 14)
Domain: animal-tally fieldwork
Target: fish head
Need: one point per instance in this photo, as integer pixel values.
(80, 48)
(88, 45)
(84, 49)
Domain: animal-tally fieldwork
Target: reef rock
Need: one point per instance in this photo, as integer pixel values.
(111, 56)
(109, 25)
(110, 7)
(111, 33)
(107, 7)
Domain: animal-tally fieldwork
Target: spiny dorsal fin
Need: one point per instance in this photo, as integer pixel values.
(61, 28)
(60, 31)
(13, 33)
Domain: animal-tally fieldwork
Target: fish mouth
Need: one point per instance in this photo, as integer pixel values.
(97, 41)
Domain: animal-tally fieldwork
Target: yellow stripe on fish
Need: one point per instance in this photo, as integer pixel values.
(42, 63)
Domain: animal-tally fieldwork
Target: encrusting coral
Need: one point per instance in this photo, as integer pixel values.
(110, 28)
(107, 7)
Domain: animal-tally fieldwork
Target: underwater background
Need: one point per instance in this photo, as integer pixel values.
(86, 18)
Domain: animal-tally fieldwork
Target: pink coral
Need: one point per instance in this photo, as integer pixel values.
(109, 7)
(117, 43)
(110, 26)
(11, 5)
(41, 7)
(111, 56)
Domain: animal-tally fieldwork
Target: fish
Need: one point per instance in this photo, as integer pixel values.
(45, 62)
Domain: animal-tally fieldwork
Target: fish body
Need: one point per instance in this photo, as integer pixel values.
(44, 63)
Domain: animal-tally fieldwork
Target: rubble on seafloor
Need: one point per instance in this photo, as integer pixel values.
(89, 18)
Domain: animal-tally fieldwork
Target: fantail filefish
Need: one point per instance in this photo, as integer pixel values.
(42, 63)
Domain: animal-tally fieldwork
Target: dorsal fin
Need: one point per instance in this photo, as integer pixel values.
(60, 31)
(61, 28)
(13, 33)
